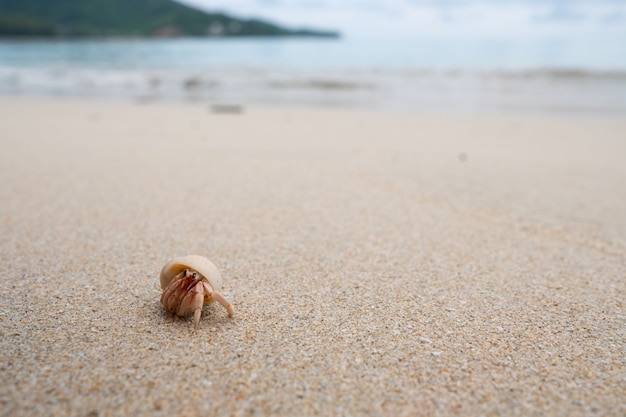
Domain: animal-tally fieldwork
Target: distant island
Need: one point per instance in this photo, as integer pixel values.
(141, 18)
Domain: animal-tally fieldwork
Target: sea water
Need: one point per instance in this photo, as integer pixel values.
(527, 74)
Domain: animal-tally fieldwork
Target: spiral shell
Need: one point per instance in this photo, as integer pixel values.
(198, 263)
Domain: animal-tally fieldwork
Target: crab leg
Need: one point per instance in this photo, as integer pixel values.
(216, 296)
(220, 299)
(196, 318)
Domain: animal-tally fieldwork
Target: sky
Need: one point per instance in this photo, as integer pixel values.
(406, 18)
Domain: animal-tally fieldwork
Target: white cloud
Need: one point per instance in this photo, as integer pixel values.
(434, 17)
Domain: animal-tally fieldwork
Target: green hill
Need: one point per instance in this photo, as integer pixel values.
(75, 18)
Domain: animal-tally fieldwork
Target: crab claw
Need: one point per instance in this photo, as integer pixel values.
(192, 303)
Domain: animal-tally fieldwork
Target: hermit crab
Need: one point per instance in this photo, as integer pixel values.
(188, 283)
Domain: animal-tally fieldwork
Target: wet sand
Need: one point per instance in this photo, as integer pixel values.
(379, 263)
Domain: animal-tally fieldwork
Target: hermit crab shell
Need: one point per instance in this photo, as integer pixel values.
(198, 263)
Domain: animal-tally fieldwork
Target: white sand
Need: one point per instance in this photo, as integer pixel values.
(379, 263)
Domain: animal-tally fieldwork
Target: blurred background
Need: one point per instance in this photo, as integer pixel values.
(451, 55)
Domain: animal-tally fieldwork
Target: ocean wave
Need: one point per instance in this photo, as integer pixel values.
(540, 90)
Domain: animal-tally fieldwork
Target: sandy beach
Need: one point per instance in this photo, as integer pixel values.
(379, 263)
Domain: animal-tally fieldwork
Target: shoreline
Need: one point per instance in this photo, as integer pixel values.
(233, 108)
